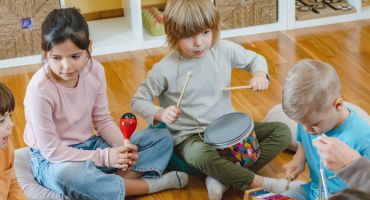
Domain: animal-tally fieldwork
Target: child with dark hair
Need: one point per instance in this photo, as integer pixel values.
(8, 181)
(65, 100)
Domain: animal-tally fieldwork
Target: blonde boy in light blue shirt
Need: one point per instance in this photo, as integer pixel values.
(311, 96)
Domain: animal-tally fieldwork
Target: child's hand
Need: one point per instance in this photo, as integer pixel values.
(259, 81)
(293, 169)
(334, 153)
(132, 155)
(170, 114)
(123, 157)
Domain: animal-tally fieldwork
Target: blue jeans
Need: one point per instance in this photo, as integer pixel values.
(84, 180)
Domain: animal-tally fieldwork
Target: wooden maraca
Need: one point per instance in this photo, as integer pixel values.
(128, 125)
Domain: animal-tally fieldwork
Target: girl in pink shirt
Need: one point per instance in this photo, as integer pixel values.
(65, 100)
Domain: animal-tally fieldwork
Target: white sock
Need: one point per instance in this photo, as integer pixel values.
(215, 188)
(170, 180)
(279, 185)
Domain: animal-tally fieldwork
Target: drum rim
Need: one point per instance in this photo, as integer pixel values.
(234, 141)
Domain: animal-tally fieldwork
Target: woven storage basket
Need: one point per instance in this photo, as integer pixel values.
(16, 41)
(244, 13)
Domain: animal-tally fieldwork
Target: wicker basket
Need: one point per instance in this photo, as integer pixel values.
(244, 13)
(20, 25)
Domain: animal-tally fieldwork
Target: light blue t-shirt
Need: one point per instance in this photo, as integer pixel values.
(354, 131)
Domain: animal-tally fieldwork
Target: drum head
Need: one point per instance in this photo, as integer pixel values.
(228, 130)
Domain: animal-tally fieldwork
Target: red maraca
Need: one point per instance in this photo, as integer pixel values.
(127, 125)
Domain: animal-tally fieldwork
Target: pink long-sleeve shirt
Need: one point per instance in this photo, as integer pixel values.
(57, 117)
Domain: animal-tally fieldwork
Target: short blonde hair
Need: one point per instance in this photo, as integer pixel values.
(186, 18)
(310, 86)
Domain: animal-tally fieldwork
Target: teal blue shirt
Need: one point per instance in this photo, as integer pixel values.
(354, 131)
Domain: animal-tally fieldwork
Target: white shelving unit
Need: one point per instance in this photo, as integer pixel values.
(127, 33)
(294, 24)
(365, 11)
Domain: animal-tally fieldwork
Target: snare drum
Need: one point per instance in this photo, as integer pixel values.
(235, 138)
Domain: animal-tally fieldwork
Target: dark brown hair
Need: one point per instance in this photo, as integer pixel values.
(7, 102)
(65, 24)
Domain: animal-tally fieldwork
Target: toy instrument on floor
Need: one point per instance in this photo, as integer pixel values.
(260, 194)
(235, 138)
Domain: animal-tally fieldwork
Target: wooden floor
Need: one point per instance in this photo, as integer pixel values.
(345, 46)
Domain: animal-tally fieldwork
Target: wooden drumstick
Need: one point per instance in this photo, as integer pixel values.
(287, 183)
(236, 88)
(183, 89)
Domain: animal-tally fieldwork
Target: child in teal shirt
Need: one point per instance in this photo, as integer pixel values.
(311, 96)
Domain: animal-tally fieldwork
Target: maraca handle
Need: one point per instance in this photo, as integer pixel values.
(127, 141)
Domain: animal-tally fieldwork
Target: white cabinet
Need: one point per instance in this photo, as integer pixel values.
(123, 33)
(127, 33)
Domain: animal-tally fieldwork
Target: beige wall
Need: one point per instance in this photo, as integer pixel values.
(88, 6)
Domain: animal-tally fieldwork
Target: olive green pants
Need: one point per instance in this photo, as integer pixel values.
(273, 138)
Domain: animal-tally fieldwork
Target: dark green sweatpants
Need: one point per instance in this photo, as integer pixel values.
(273, 138)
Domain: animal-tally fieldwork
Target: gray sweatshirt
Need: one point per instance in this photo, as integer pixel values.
(357, 174)
(203, 100)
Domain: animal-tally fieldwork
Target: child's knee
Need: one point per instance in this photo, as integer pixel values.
(165, 136)
(70, 171)
(199, 155)
(161, 137)
(282, 133)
